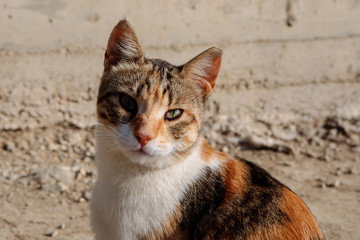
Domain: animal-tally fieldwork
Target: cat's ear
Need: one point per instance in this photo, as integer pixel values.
(123, 46)
(204, 68)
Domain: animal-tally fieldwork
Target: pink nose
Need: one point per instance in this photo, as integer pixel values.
(143, 139)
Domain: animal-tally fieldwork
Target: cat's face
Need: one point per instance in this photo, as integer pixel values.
(150, 110)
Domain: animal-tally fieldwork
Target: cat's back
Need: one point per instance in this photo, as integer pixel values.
(240, 200)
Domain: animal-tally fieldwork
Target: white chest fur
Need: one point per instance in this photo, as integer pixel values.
(129, 202)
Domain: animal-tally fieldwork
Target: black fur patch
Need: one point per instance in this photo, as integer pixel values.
(138, 91)
(202, 198)
(161, 64)
(163, 67)
(148, 85)
(208, 216)
(106, 96)
(169, 76)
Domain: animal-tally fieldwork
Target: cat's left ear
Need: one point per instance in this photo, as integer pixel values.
(204, 68)
(123, 46)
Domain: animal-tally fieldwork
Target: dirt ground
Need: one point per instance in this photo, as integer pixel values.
(47, 175)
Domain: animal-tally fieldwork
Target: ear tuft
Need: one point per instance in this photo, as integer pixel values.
(204, 68)
(123, 45)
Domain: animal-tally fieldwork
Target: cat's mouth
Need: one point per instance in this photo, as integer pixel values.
(141, 152)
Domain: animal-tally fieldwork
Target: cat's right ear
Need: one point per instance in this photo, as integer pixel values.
(123, 46)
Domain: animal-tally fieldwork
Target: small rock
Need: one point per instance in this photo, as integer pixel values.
(318, 141)
(63, 147)
(310, 154)
(9, 146)
(338, 173)
(12, 177)
(321, 185)
(287, 164)
(350, 171)
(52, 234)
(87, 160)
(75, 138)
(88, 154)
(320, 179)
(53, 147)
(329, 155)
(61, 226)
(32, 153)
(87, 195)
(60, 173)
(62, 187)
(332, 146)
(225, 149)
(23, 144)
(307, 132)
(286, 134)
(334, 184)
(232, 140)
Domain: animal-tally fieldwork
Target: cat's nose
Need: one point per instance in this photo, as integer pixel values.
(143, 139)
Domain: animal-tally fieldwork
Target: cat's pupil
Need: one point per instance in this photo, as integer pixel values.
(128, 103)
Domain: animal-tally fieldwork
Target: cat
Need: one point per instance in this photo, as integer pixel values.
(157, 176)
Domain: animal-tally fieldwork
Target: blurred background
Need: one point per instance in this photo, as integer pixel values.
(287, 98)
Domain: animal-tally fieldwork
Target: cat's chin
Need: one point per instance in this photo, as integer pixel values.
(144, 159)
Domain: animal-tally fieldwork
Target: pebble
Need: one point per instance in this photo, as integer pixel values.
(61, 226)
(63, 147)
(310, 154)
(9, 146)
(232, 140)
(75, 138)
(288, 134)
(321, 185)
(225, 149)
(287, 164)
(336, 183)
(59, 173)
(87, 195)
(318, 141)
(62, 187)
(52, 234)
(53, 146)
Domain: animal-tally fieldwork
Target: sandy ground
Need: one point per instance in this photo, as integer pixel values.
(47, 174)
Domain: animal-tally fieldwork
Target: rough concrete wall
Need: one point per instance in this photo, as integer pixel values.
(280, 56)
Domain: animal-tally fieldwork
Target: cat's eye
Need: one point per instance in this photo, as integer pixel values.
(128, 103)
(173, 114)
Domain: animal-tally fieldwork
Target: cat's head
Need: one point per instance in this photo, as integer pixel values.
(148, 109)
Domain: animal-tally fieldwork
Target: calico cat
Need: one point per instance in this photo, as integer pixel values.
(158, 177)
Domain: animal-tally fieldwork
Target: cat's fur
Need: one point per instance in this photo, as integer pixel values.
(158, 178)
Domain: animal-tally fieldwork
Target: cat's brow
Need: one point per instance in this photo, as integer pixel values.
(107, 95)
(140, 88)
(147, 82)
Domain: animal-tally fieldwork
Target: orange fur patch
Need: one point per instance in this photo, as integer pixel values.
(302, 221)
(302, 224)
(233, 174)
(206, 151)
